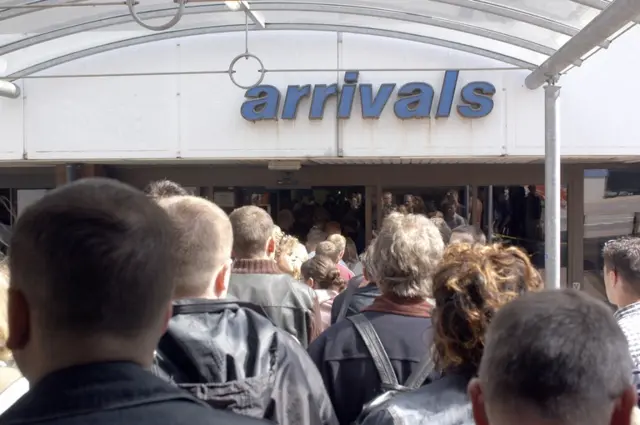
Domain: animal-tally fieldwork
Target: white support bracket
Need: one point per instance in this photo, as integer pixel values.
(9, 89)
(256, 17)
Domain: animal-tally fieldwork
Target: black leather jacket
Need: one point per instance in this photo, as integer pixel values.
(443, 402)
(291, 305)
(230, 356)
(112, 393)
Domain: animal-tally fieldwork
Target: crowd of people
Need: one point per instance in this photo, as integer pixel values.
(125, 307)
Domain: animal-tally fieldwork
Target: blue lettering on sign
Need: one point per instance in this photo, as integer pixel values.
(413, 100)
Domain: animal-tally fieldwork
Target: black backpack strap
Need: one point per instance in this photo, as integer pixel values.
(418, 376)
(376, 350)
(352, 286)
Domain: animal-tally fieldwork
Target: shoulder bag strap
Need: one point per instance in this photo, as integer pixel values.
(348, 294)
(418, 376)
(376, 350)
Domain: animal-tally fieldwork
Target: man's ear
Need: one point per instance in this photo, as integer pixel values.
(623, 409)
(477, 402)
(19, 320)
(168, 314)
(221, 284)
(271, 246)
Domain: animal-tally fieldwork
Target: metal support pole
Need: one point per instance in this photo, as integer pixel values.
(552, 173)
(489, 208)
(71, 171)
(467, 194)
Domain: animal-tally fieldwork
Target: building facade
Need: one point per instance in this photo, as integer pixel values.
(316, 107)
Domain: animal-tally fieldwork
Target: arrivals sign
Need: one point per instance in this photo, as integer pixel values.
(413, 100)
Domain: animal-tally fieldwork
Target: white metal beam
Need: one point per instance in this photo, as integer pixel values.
(256, 17)
(100, 21)
(607, 23)
(301, 26)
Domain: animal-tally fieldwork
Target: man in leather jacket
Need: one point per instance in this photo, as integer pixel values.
(256, 278)
(92, 274)
(227, 353)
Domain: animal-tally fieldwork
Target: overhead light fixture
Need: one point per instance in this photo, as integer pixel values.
(285, 165)
(8, 89)
(233, 4)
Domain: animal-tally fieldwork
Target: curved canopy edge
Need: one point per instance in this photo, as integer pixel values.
(105, 21)
(173, 34)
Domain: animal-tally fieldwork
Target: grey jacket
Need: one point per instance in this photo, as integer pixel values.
(443, 402)
(291, 305)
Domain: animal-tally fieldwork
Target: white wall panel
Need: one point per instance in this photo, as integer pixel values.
(83, 118)
(11, 128)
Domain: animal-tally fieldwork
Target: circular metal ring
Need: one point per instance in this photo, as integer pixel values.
(246, 56)
(131, 4)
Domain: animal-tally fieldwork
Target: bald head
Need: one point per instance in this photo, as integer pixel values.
(204, 243)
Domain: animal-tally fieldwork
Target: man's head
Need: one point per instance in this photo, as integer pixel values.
(340, 242)
(367, 267)
(448, 208)
(387, 198)
(314, 237)
(333, 228)
(252, 233)
(405, 255)
(467, 234)
(622, 270)
(92, 273)
(165, 189)
(329, 249)
(443, 228)
(555, 357)
(203, 249)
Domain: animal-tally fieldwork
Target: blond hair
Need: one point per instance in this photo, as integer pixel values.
(252, 229)
(290, 254)
(339, 241)
(329, 249)
(204, 242)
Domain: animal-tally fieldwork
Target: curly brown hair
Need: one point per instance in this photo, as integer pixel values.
(470, 285)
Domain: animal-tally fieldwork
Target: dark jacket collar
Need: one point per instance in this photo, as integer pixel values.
(89, 388)
(255, 266)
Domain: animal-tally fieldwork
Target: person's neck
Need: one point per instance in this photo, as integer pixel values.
(69, 354)
(264, 256)
(626, 300)
(209, 294)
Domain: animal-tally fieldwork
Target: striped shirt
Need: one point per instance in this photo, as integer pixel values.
(629, 320)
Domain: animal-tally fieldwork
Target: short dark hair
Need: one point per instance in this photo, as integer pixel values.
(252, 228)
(472, 234)
(558, 352)
(95, 257)
(161, 189)
(623, 256)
